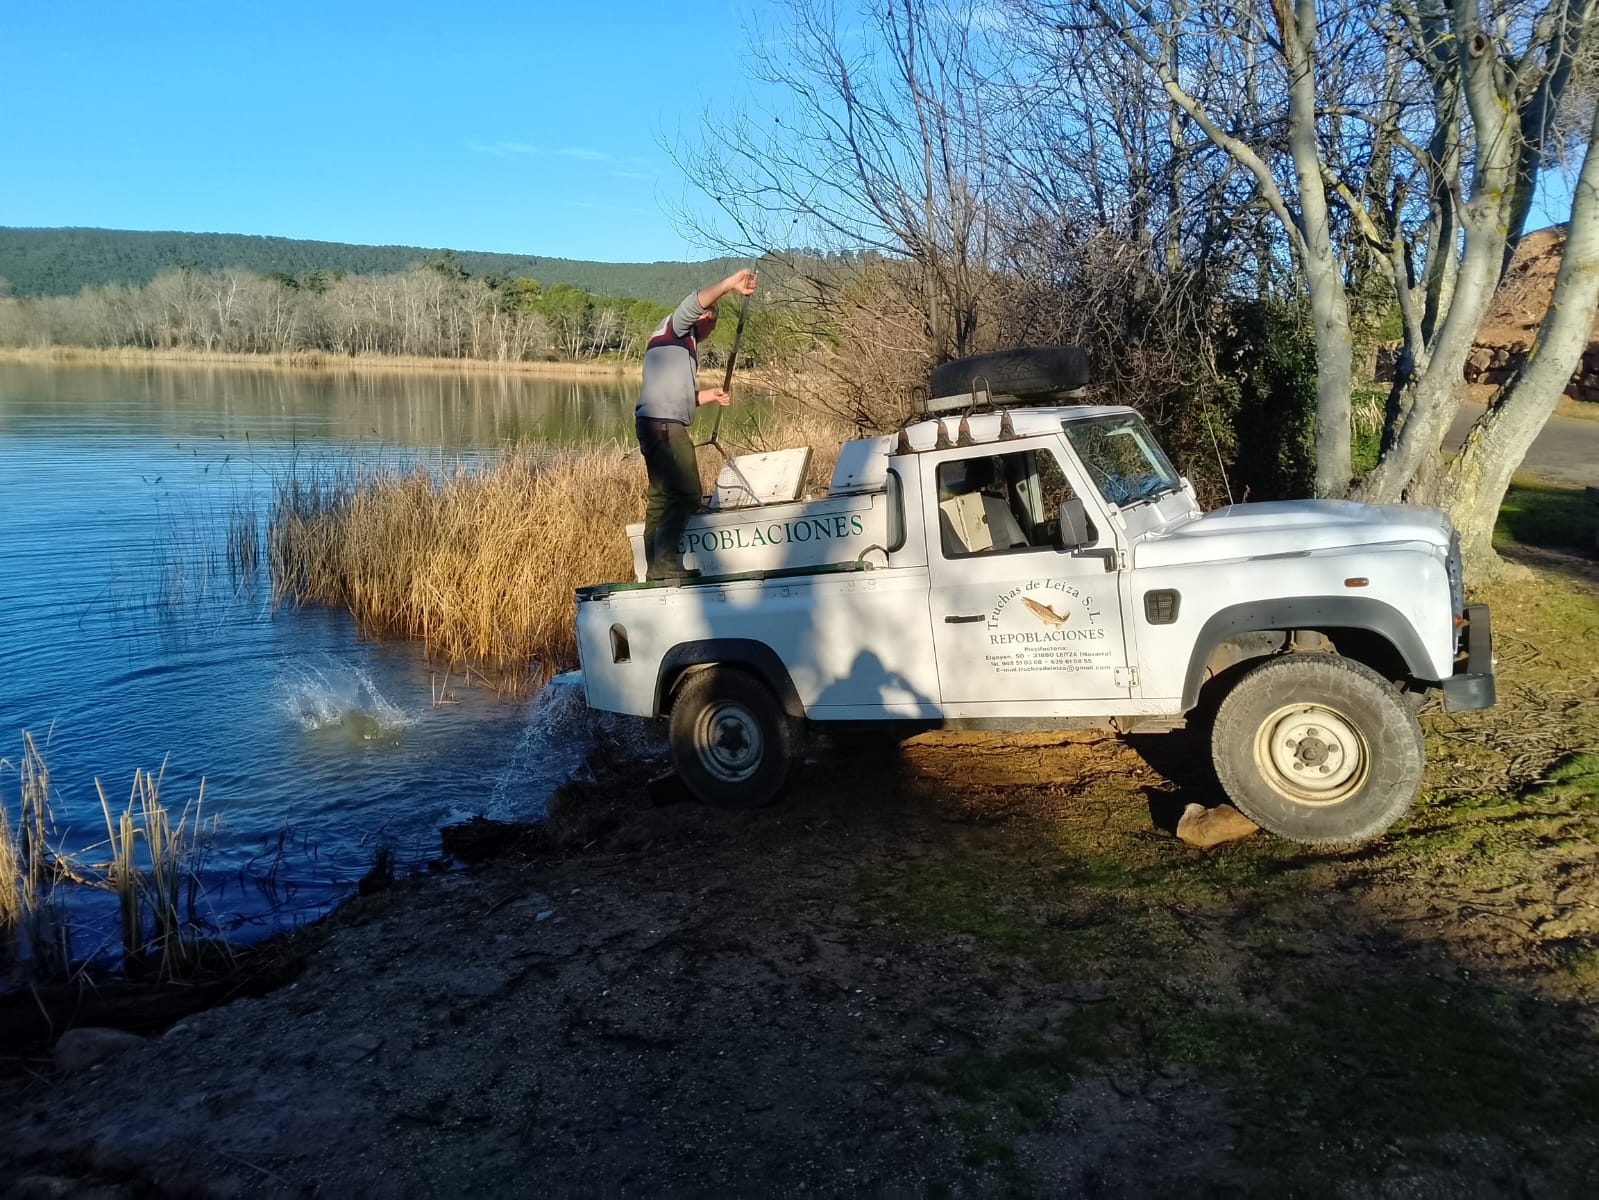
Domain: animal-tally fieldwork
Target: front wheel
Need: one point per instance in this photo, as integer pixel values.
(732, 743)
(1318, 749)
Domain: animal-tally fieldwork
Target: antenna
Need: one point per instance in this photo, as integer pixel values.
(1204, 412)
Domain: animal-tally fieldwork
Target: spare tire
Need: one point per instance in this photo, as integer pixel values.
(1029, 371)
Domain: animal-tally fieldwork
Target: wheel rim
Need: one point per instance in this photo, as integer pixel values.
(728, 742)
(1312, 754)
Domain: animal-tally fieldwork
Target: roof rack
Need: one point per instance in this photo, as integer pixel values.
(983, 400)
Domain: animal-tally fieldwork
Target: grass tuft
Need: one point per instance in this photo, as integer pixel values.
(244, 543)
(1573, 783)
(30, 918)
(149, 900)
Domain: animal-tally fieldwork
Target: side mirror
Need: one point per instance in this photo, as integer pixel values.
(1075, 529)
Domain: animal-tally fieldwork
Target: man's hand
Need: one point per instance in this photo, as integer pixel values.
(713, 396)
(743, 282)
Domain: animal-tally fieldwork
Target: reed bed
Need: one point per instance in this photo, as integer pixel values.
(480, 565)
(477, 565)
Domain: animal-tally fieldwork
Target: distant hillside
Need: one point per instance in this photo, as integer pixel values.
(60, 262)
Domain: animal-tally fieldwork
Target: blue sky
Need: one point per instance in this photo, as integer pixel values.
(529, 128)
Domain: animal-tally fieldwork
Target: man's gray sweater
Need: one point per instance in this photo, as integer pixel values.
(670, 363)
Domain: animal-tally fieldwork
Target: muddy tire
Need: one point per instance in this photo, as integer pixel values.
(1318, 749)
(732, 743)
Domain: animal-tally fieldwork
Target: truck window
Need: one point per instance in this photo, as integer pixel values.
(1124, 462)
(1001, 502)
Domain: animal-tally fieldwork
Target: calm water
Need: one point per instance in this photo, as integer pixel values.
(125, 642)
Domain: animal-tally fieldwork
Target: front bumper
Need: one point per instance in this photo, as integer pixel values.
(1472, 684)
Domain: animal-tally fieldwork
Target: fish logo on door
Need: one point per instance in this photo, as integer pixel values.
(1045, 613)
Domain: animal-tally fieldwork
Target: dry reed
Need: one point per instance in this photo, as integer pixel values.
(24, 856)
(244, 542)
(154, 893)
(480, 566)
(29, 870)
(12, 910)
(1366, 412)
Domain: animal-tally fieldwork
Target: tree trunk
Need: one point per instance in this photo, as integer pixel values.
(1475, 483)
(1436, 395)
(1324, 278)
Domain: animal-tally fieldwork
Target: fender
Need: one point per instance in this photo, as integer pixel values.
(759, 658)
(1305, 612)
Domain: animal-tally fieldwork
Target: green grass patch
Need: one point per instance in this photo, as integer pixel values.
(1331, 1077)
(1348, 1066)
(1573, 785)
(1581, 966)
(1545, 514)
(1082, 911)
(1367, 405)
(1043, 918)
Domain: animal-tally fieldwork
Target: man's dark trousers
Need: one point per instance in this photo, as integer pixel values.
(674, 492)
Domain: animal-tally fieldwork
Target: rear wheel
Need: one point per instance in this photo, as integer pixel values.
(1318, 749)
(731, 741)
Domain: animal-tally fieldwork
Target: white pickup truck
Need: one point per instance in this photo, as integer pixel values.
(1010, 564)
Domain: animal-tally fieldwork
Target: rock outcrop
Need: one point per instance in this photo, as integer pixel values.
(1512, 321)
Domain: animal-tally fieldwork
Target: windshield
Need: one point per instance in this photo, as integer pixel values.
(1122, 459)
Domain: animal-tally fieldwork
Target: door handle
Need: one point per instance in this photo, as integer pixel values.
(965, 620)
(1109, 556)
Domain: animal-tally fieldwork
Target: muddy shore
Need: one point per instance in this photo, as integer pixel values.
(972, 966)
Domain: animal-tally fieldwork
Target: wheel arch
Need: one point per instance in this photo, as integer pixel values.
(1365, 630)
(755, 657)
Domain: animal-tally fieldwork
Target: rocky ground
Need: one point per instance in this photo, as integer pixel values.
(969, 965)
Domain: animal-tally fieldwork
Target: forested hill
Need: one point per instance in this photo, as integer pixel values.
(60, 262)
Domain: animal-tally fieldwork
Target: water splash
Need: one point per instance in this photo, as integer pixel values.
(343, 699)
(553, 748)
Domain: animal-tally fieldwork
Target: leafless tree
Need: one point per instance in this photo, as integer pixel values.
(1399, 142)
(881, 149)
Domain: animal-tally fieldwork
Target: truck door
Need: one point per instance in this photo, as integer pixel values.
(1015, 618)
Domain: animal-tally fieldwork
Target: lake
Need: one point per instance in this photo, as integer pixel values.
(127, 642)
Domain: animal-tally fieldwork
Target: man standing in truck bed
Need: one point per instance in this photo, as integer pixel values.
(665, 407)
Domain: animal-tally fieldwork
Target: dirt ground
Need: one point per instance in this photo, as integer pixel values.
(971, 964)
